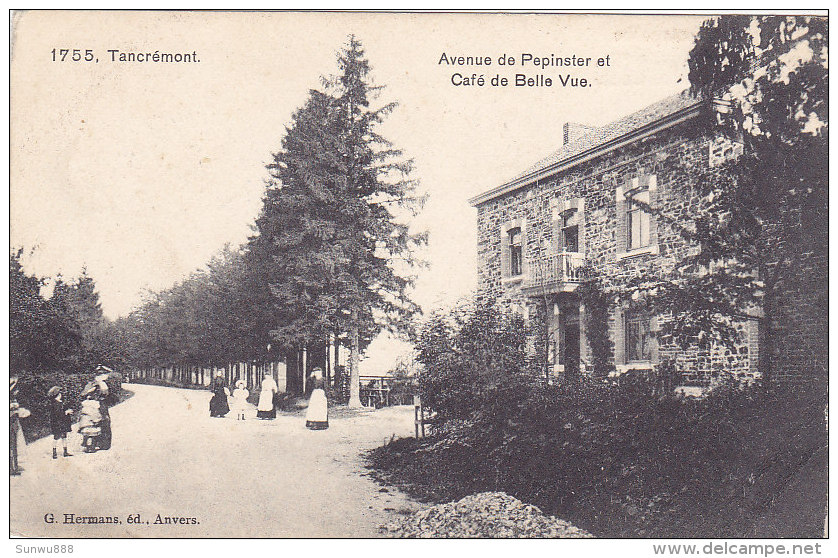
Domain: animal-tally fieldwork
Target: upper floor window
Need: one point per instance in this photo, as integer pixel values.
(637, 221)
(570, 231)
(516, 254)
(638, 336)
(636, 233)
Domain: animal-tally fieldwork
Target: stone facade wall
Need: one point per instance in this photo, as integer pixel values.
(670, 157)
(801, 323)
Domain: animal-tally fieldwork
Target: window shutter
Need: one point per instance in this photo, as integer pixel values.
(653, 327)
(525, 266)
(621, 221)
(619, 337)
(652, 184)
(581, 235)
(505, 262)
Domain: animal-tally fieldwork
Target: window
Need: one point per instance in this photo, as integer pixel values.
(570, 232)
(516, 259)
(637, 221)
(636, 233)
(638, 337)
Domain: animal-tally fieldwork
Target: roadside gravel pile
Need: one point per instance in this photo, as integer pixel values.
(488, 514)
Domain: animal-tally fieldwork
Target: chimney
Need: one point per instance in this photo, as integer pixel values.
(572, 131)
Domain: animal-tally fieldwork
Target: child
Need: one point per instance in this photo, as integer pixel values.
(89, 424)
(59, 420)
(240, 395)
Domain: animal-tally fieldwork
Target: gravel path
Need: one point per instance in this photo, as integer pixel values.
(227, 478)
(484, 515)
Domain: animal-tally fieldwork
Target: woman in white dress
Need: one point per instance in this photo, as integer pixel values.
(266, 409)
(317, 415)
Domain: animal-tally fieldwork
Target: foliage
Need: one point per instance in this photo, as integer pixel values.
(198, 321)
(618, 460)
(64, 332)
(330, 254)
(404, 382)
(472, 356)
(331, 239)
(598, 302)
(761, 214)
(32, 394)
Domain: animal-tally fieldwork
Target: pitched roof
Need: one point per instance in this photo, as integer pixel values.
(597, 140)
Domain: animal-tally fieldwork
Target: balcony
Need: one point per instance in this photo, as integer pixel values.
(554, 274)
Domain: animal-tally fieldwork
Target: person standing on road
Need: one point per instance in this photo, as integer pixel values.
(106, 399)
(98, 389)
(266, 408)
(317, 414)
(16, 439)
(59, 420)
(218, 405)
(240, 395)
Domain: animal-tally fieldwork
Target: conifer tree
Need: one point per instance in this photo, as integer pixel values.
(332, 241)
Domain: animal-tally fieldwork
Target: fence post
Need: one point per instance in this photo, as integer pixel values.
(418, 416)
(417, 404)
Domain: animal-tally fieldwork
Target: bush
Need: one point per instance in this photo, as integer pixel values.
(32, 394)
(618, 460)
(472, 356)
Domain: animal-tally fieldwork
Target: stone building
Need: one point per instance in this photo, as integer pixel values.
(575, 208)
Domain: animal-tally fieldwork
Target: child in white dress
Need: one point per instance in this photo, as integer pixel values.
(240, 395)
(90, 424)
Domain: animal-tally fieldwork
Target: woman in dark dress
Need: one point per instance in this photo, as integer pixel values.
(102, 393)
(106, 400)
(218, 404)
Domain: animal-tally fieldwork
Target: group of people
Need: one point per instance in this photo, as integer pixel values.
(94, 418)
(220, 406)
(317, 415)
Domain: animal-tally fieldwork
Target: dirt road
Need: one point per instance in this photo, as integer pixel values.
(225, 478)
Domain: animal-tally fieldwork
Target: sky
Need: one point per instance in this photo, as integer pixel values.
(141, 171)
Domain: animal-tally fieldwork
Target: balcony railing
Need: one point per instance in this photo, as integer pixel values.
(558, 271)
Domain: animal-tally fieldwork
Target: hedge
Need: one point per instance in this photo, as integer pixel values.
(32, 394)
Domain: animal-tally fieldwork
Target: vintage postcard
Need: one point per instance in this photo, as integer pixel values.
(447, 275)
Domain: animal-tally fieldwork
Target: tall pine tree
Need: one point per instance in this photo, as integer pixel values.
(332, 241)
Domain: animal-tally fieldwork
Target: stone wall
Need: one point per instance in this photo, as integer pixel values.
(667, 161)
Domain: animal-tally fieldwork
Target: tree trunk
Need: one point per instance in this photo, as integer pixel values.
(354, 362)
(290, 367)
(328, 371)
(304, 360)
(766, 343)
(337, 370)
